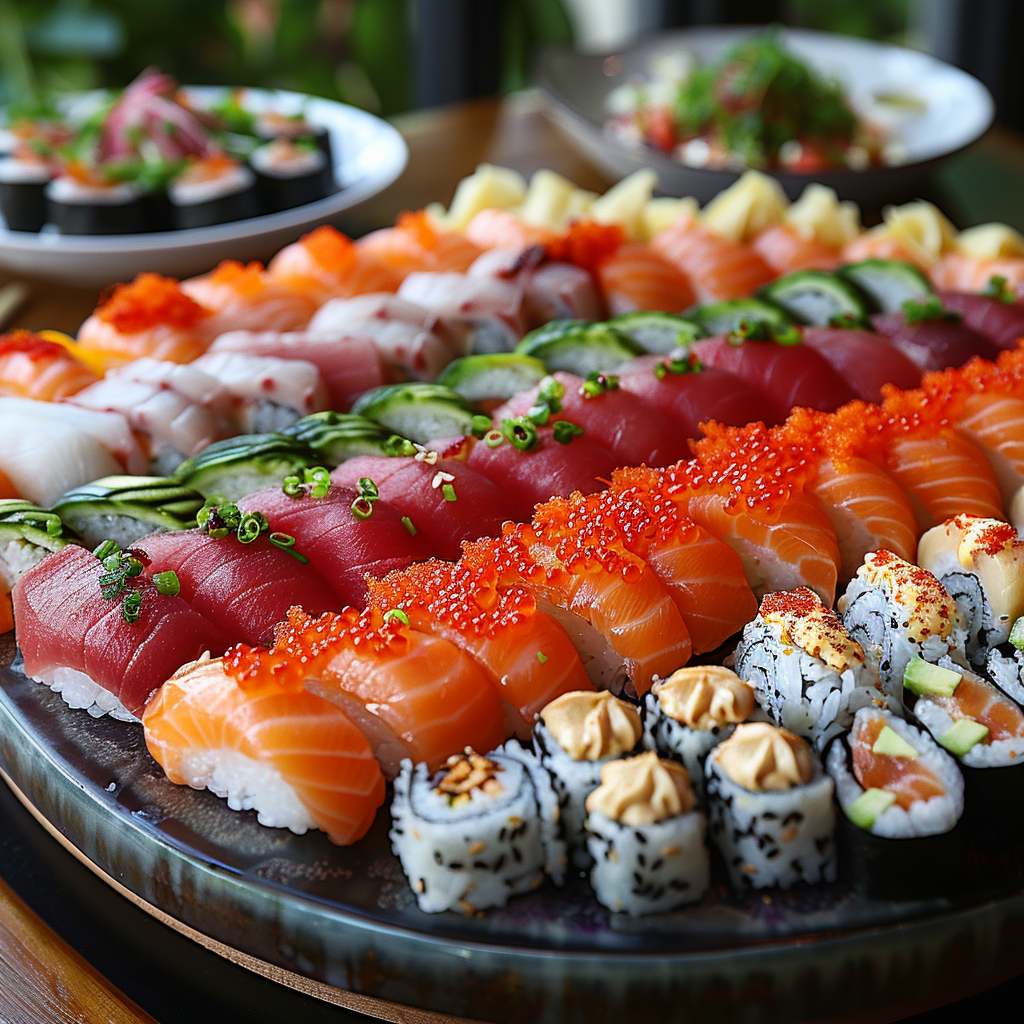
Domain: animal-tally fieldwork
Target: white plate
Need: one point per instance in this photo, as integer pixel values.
(959, 108)
(369, 154)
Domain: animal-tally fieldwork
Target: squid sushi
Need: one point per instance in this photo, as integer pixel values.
(770, 809)
(898, 612)
(294, 758)
(809, 674)
(646, 837)
(901, 796)
(688, 714)
(579, 733)
(478, 831)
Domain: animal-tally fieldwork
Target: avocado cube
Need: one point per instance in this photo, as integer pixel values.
(1017, 634)
(892, 743)
(927, 680)
(962, 736)
(869, 806)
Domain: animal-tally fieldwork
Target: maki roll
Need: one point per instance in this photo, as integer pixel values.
(83, 202)
(688, 714)
(809, 674)
(291, 173)
(897, 611)
(275, 126)
(771, 808)
(646, 836)
(23, 183)
(981, 563)
(125, 508)
(213, 190)
(480, 830)
(577, 734)
(901, 795)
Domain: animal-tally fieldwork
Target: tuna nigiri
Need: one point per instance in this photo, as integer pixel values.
(934, 343)
(1001, 322)
(865, 360)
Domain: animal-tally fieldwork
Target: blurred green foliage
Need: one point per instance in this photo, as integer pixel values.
(872, 19)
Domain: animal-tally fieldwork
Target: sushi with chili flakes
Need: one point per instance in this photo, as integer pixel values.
(291, 173)
(294, 758)
(901, 796)
(213, 189)
(105, 640)
(153, 317)
(32, 366)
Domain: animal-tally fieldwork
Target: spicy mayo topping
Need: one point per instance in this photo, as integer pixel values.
(705, 697)
(592, 726)
(642, 790)
(763, 758)
(807, 624)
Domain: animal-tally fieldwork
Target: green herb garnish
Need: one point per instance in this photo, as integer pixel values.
(493, 438)
(598, 384)
(408, 524)
(566, 431)
(396, 615)
(314, 480)
(998, 288)
(521, 431)
(931, 308)
(220, 518)
(480, 426)
(449, 492)
(396, 445)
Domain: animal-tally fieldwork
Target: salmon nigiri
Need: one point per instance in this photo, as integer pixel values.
(525, 652)
(293, 757)
(326, 265)
(494, 229)
(717, 267)
(416, 242)
(962, 272)
(787, 249)
(33, 367)
(153, 317)
(637, 277)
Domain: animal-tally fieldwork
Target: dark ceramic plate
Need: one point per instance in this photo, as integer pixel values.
(958, 108)
(346, 919)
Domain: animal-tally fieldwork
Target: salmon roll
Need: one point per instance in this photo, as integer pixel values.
(153, 317)
(33, 367)
(292, 757)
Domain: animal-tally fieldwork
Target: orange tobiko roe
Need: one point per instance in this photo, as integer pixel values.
(417, 224)
(329, 247)
(31, 345)
(246, 279)
(587, 244)
(150, 300)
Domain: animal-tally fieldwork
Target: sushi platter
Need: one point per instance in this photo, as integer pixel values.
(553, 607)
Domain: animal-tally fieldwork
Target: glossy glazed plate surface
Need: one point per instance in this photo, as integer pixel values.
(958, 111)
(345, 917)
(369, 154)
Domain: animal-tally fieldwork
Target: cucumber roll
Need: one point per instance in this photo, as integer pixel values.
(480, 830)
(213, 190)
(94, 206)
(809, 674)
(981, 563)
(818, 298)
(338, 436)
(492, 377)
(726, 317)
(291, 173)
(688, 714)
(240, 465)
(125, 508)
(771, 810)
(577, 733)
(657, 332)
(580, 347)
(421, 412)
(28, 534)
(901, 795)
(646, 837)
(887, 283)
(897, 611)
(23, 193)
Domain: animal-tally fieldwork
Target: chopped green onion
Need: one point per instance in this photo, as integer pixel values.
(367, 489)
(539, 414)
(749, 329)
(551, 392)
(286, 543)
(396, 615)
(167, 583)
(566, 431)
(112, 562)
(292, 487)
(134, 567)
(131, 605)
(788, 335)
(542, 657)
(915, 312)
(660, 370)
(480, 425)
(521, 432)
(846, 320)
(408, 524)
(493, 438)
(107, 548)
(319, 479)
(449, 492)
(54, 526)
(598, 384)
(395, 446)
(250, 528)
(362, 508)
(998, 288)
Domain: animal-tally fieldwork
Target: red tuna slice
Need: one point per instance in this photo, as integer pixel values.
(417, 490)
(865, 360)
(617, 420)
(1001, 322)
(530, 477)
(64, 622)
(243, 589)
(786, 375)
(933, 344)
(689, 399)
(344, 548)
(348, 365)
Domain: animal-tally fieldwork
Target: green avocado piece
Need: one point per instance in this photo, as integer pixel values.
(927, 680)
(869, 807)
(892, 743)
(962, 736)
(1017, 634)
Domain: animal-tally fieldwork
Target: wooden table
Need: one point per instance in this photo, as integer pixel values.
(45, 971)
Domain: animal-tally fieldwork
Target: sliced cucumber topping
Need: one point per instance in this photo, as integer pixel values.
(21, 520)
(580, 347)
(962, 736)
(818, 298)
(337, 436)
(887, 283)
(726, 317)
(243, 464)
(657, 332)
(494, 377)
(419, 412)
(869, 807)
